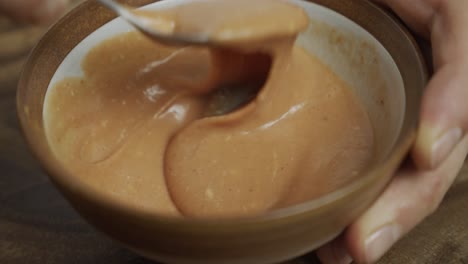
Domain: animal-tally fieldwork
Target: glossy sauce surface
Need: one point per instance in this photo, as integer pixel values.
(136, 125)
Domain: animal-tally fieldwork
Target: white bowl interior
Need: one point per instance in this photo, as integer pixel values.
(349, 50)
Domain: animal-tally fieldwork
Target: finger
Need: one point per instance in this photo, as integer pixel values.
(444, 112)
(416, 13)
(411, 196)
(33, 11)
(334, 252)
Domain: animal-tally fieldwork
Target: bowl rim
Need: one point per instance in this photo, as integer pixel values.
(64, 179)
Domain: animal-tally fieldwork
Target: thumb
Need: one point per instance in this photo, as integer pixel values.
(444, 112)
(444, 117)
(33, 11)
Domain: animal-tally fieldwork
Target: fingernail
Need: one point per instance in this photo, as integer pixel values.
(49, 10)
(378, 243)
(444, 145)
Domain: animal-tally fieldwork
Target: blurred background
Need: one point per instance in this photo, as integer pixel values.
(37, 226)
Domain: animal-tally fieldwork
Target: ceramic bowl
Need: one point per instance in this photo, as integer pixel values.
(362, 43)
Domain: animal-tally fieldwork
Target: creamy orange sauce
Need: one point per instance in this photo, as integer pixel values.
(146, 123)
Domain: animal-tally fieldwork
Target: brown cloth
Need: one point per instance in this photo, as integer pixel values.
(37, 226)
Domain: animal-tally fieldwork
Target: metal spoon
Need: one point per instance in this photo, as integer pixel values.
(145, 25)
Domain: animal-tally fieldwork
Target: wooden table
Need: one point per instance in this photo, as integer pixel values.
(37, 226)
